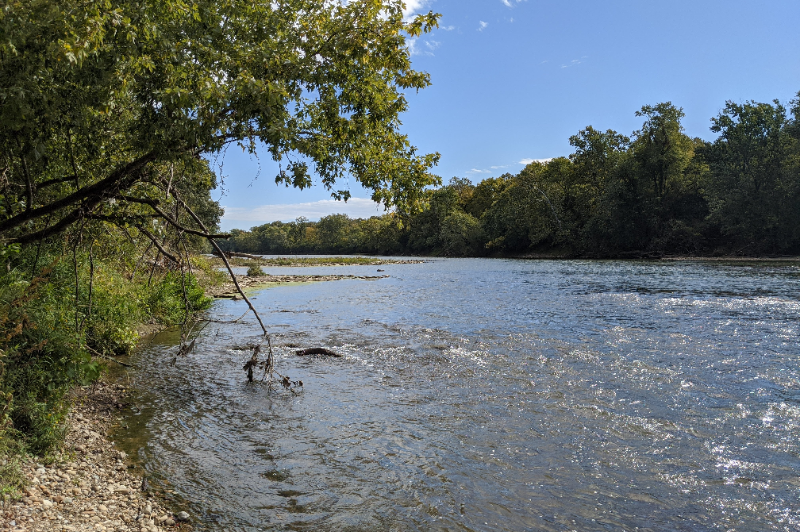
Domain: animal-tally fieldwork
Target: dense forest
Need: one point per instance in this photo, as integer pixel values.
(657, 192)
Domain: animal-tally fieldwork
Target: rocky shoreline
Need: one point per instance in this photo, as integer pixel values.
(90, 485)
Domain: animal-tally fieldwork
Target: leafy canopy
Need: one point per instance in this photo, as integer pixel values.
(99, 100)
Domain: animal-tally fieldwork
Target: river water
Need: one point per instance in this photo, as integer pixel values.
(481, 394)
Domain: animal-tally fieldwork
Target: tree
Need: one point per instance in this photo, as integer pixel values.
(753, 187)
(102, 100)
(484, 194)
(661, 148)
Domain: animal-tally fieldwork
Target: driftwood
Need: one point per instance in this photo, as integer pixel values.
(230, 254)
(316, 351)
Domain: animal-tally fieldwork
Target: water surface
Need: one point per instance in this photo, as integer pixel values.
(479, 394)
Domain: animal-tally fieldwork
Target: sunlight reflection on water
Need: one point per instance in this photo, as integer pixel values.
(494, 395)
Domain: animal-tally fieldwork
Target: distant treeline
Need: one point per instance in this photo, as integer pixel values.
(656, 192)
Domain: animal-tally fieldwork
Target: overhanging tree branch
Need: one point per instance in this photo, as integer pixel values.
(90, 196)
(154, 205)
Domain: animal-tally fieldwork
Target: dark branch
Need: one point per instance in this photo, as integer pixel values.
(154, 205)
(56, 181)
(153, 239)
(90, 195)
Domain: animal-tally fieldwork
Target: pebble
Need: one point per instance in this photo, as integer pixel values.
(182, 516)
(87, 490)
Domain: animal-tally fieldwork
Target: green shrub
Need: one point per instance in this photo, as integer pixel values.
(166, 302)
(254, 270)
(49, 330)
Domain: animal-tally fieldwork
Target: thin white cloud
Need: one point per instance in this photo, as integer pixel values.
(498, 167)
(415, 49)
(476, 171)
(447, 28)
(572, 63)
(482, 25)
(507, 3)
(412, 7)
(412, 46)
(526, 162)
(245, 218)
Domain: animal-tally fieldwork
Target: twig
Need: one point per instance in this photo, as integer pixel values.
(161, 249)
(100, 355)
(225, 260)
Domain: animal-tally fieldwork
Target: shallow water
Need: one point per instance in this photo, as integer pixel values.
(479, 394)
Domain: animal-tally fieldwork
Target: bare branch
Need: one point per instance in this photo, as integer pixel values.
(164, 252)
(225, 260)
(153, 204)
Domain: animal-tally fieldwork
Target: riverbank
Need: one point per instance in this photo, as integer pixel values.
(89, 485)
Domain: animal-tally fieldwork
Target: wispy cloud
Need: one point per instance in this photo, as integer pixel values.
(526, 162)
(415, 48)
(244, 218)
(412, 7)
(509, 3)
(572, 63)
(447, 28)
(476, 171)
(482, 25)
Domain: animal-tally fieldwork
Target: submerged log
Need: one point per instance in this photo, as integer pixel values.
(316, 351)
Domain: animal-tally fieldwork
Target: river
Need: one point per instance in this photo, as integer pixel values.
(488, 394)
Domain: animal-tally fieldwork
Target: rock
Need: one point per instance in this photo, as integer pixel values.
(47, 503)
(169, 522)
(182, 516)
(103, 508)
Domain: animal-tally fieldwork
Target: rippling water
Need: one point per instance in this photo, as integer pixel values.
(482, 394)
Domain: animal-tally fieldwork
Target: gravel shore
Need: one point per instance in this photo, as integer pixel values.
(89, 486)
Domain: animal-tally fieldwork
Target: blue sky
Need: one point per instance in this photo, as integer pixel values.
(513, 79)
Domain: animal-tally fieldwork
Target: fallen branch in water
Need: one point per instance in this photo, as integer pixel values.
(316, 351)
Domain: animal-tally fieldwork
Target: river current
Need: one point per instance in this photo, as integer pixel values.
(487, 394)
